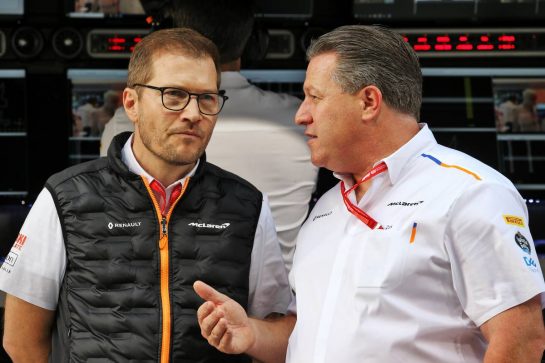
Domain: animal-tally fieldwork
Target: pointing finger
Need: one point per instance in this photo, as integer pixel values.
(208, 293)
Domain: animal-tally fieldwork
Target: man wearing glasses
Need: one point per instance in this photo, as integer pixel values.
(258, 121)
(104, 265)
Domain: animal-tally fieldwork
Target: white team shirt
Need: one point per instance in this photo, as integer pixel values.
(257, 139)
(34, 270)
(119, 123)
(455, 251)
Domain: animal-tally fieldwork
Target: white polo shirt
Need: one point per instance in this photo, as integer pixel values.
(454, 252)
(35, 266)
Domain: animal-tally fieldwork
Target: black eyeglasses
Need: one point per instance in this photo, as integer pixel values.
(176, 99)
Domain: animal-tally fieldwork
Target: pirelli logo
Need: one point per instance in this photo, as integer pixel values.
(513, 220)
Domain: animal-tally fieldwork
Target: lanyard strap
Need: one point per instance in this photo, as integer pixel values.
(361, 215)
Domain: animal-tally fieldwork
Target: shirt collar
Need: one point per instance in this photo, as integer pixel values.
(128, 158)
(401, 157)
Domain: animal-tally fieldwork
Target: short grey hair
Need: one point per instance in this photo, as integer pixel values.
(374, 55)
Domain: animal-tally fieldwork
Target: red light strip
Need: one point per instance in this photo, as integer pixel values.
(506, 46)
(116, 40)
(443, 47)
(464, 47)
(422, 47)
(506, 38)
(462, 43)
(485, 47)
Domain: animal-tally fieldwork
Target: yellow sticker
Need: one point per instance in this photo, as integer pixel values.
(513, 220)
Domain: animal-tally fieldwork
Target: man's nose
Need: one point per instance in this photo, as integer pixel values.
(303, 116)
(192, 111)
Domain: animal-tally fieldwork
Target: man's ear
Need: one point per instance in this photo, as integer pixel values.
(371, 102)
(130, 102)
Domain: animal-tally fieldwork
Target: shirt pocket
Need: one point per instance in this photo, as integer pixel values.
(380, 259)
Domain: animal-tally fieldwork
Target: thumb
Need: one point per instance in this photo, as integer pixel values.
(208, 293)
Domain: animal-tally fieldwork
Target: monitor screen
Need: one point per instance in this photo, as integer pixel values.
(434, 10)
(454, 101)
(104, 8)
(12, 7)
(96, 94)
(519, 105)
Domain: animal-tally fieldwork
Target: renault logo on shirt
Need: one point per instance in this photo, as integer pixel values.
(112, 225)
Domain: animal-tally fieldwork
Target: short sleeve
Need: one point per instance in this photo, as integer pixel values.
(493, 259)
(269, 287)
(35, 265)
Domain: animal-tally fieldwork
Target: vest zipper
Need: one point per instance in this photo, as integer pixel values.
(164, 270)
(163, 241)
(164, 224)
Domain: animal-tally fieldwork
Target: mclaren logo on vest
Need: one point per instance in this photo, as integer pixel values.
(208, 225)
(124, 225)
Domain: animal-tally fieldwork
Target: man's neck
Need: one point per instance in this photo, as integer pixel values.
(384, 144)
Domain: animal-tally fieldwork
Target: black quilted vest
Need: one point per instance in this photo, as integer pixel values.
(110, 307)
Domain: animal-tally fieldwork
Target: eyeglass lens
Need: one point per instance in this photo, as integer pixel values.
(177, 99)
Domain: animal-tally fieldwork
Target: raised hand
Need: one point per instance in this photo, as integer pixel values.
(223, 321)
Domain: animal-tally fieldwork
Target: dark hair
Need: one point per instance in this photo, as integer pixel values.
(185, 41)
(227, 23)
(374, 55)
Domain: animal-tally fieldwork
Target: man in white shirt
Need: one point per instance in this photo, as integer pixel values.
(117, 124)
(104, 265)
(255, 137)
(420, 254)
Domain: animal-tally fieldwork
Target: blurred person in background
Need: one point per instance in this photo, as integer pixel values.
(526, 118)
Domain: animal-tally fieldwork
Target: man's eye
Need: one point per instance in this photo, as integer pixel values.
(175, 93)
(208, 97)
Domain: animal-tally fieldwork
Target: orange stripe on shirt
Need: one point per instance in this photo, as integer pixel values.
(413, 233)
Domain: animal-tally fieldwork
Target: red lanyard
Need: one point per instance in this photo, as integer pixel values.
(361, 215)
